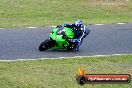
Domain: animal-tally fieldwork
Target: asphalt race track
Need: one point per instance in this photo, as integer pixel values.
(23, 43)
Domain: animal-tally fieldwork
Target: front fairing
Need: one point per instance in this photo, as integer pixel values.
(61, 43)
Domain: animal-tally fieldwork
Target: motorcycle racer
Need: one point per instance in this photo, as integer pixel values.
(79, 30)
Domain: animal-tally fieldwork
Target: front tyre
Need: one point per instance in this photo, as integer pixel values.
(45, 45)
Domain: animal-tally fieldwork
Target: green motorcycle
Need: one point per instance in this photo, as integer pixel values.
(59, 39)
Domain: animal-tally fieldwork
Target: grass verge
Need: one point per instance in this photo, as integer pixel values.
(22, 13)
(61, 73)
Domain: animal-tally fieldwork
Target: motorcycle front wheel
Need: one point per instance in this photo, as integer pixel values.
(45, 45)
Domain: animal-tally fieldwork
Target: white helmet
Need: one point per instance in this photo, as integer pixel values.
(78, 24)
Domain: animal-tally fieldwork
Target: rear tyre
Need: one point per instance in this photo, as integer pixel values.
(45, 45)
(72, 46)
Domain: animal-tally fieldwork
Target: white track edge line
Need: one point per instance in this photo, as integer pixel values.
(53, 26)
(56, 26)
(99, 24)
(1, 28)
(120, 23)
(65, 57)
(31, 27)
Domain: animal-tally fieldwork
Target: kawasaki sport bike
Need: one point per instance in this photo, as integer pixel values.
(59, 39)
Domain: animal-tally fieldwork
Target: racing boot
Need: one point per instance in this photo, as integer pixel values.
(77, 46)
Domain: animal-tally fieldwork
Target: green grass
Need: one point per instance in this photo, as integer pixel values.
(22, 13)
(61, 73)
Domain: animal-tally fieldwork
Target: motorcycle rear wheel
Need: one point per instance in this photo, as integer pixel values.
(71, 46)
